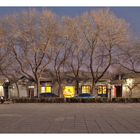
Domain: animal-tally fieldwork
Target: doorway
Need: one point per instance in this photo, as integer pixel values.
(31, 92)
(6, 89)
(118, 91)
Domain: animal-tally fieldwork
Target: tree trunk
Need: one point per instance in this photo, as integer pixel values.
(17, 89)
(93, 91)
(77, 87)
(60, 89)
(38, 88)
(130, 95)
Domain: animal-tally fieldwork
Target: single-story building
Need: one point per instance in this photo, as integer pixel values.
(108, 86)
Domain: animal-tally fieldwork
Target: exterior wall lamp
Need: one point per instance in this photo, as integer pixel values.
(129, 82)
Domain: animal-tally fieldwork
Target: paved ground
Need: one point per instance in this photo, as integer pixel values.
(70, 118)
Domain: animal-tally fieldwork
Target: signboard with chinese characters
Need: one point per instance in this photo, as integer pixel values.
(69, 91)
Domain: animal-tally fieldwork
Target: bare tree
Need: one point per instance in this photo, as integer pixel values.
(102, 32)
(129, 57)
(75, 65)
(3, 49)
(77, 53)
(131, 84)
(11, 72)
(30, 37)
(131, 88)
(60, 56)
(8, 68)
(39, 40)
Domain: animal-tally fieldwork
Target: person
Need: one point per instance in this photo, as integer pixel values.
(2, 100)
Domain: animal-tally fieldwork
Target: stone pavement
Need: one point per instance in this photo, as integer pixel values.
(70, 118)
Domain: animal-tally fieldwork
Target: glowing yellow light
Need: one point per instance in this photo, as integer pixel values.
(69, 91)
(102, 89)
(42, 89)
(49, 89)
(30, 86)
(99, 89)
(85, 89)
(129, 82)
(1, 91)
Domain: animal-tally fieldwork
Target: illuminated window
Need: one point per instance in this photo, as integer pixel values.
(102, 89)
(42, 89)
(48, 89)
(1, 91)
(85, 89)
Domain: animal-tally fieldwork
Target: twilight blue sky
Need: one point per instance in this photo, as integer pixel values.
(130, 14)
